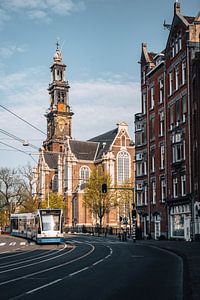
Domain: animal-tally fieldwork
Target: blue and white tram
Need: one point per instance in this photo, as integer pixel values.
(44, 226)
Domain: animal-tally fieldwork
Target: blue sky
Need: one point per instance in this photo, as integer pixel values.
(101, 46)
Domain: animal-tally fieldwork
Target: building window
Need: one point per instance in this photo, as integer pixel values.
(183, 185)
(154, 192)
(177, 78)
(162, 123)
(177, 112)
(163, 189)
(184, 72)
(152, 127)
(176, 45)
(139, 169)
(152, 97)
(170, 83)
(144, 103)
(145, 194)
(138, 138)
(161, 90)
(171, 111)
(184, 108)
(55, 183)
(84, 174)
(153, 161)
(123, 167)
(179, 41)
(175, 187)
(178, 152)
(162, 156)
(139, 198)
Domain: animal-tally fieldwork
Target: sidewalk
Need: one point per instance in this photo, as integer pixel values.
(190, 252)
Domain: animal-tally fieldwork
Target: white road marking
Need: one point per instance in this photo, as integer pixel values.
(72, 274)
(43, 286)
(60, 279)
(12, 244)
(23, 243)
(2, 244)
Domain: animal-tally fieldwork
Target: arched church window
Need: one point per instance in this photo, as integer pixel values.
(123, 167)
(84, 174)
(123, 141)
(55, 183)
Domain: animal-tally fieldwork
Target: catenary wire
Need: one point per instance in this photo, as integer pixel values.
(8, 110)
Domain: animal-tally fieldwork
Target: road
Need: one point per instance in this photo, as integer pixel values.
(88, 267)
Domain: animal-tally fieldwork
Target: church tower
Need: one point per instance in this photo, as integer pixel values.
(59, 115)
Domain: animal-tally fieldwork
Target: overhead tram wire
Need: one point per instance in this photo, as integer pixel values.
(16, 149)
(17, 138)
(22, 119)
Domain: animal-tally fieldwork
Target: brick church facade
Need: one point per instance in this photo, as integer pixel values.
(65, 164)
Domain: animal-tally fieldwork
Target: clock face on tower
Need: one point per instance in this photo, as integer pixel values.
(61, 125)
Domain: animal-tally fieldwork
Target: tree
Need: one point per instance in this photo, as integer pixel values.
(55, 201)
(11, 191)
(97, 202)
(31, 201)
(126, 199)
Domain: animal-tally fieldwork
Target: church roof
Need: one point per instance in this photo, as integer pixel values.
(51, 159)
(83, 150)
(104, 141)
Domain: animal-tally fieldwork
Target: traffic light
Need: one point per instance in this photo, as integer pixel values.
(104, 188)
(134, 213)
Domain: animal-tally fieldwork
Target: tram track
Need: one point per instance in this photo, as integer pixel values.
(36, 257)
(88, 261)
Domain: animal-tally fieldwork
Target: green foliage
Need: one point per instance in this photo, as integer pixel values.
(55, 201)
(99, 203)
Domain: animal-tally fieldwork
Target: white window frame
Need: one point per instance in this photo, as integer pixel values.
(152, 97)
(153, 192)
(184, 72)
(163, 189)
(183, 185)
(177, 78)
(162, 127)
(84, 174)
(170, 83)
(161, 90)
(123, 166)
(162, 156)
(175, 187)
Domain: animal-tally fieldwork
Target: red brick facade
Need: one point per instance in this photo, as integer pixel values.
(163, 129)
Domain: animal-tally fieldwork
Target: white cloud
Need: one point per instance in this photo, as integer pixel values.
(7, 50)
(98, 106)
(40, 10)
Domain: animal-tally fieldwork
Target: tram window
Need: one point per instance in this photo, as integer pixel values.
(50, 222)
(14, 223)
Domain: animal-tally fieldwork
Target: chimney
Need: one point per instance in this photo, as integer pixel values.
(177, 7)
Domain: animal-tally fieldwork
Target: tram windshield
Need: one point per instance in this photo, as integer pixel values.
(50, 220)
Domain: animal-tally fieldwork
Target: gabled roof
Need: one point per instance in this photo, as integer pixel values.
(51, 159)
(83, 150)
(104, 141)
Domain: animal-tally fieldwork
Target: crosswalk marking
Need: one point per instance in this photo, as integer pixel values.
(12, 244)
(23, 243)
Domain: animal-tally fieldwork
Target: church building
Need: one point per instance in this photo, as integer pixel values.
(65, 164)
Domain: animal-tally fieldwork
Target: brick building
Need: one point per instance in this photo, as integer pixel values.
(163, 130)
(65, 164)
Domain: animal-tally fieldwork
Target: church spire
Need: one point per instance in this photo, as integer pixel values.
(58, 55)
(59, 114)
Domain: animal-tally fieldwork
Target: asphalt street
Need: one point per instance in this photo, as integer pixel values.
(87, 267)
